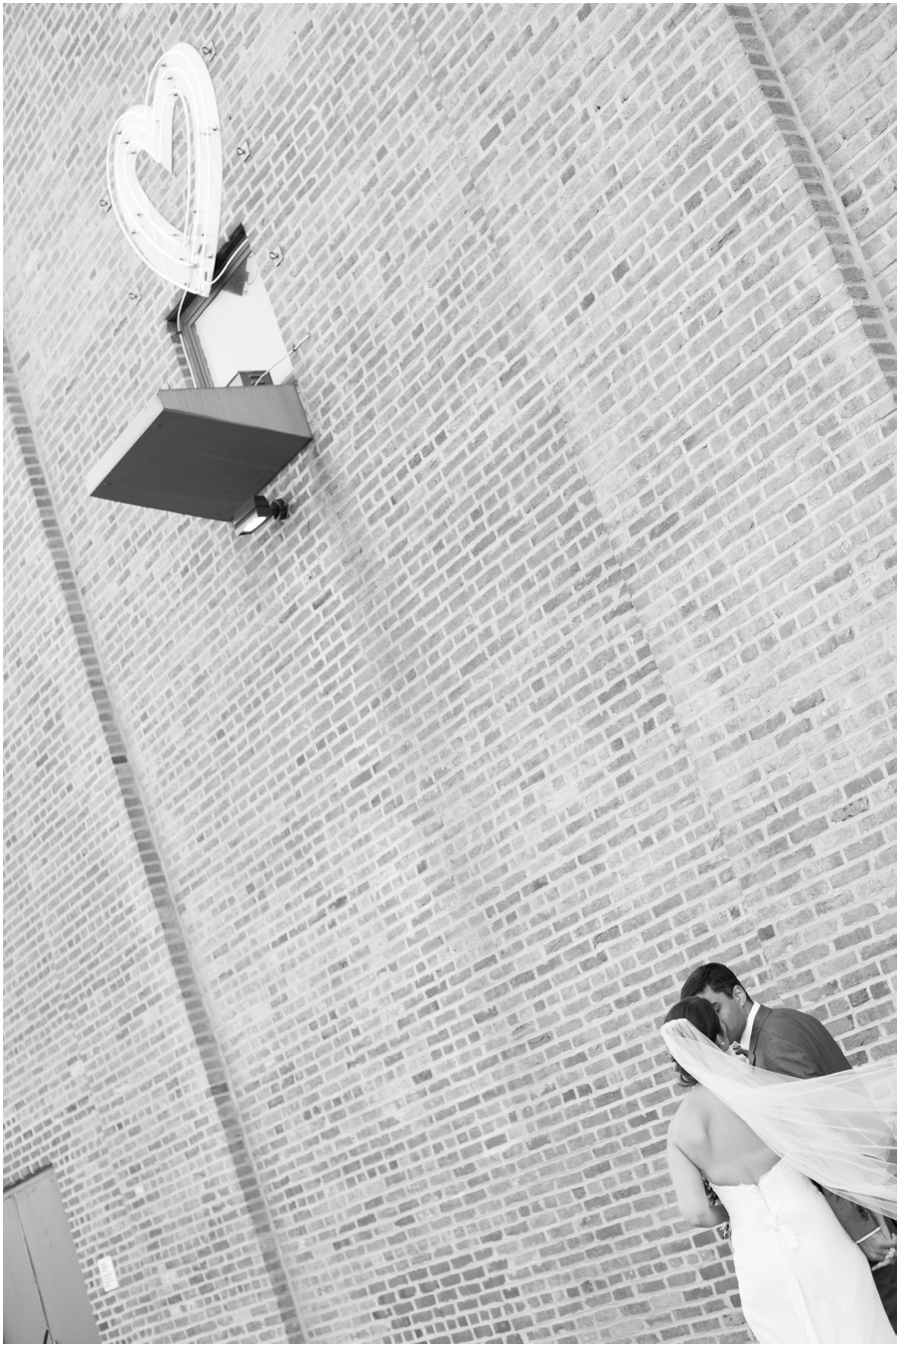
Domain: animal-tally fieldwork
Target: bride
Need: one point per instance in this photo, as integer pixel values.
(759, 1138)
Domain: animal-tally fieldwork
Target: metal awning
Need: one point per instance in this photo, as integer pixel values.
(203, 451)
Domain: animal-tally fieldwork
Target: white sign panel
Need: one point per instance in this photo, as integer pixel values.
(108, 1278)
(185, 256)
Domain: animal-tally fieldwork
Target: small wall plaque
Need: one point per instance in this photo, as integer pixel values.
(108, 1278)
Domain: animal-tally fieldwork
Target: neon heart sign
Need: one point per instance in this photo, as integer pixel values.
(184, 256)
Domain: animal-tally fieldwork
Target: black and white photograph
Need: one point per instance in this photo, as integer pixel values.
(450, 673)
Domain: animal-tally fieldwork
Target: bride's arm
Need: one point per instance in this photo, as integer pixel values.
(690, 1192)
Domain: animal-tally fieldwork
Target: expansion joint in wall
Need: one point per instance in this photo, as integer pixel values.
(198, 1017)
(859, 282)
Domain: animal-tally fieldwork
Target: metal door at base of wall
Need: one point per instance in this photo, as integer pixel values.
(44, 1298)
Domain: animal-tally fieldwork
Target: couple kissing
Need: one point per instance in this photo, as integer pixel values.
(780, 1137)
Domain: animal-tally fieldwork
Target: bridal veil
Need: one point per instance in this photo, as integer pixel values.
(839, 1130)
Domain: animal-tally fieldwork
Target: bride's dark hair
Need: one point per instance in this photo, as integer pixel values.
(702, 1015)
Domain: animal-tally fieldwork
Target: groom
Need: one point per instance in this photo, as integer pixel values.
(795, 1044)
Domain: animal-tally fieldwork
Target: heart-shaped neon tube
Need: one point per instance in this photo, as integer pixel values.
(183, 256)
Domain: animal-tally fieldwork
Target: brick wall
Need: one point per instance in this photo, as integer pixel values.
(110, 1073)
(571, 667)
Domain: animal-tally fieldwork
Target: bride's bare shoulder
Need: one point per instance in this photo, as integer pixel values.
(698, 1096)
(691, 1112)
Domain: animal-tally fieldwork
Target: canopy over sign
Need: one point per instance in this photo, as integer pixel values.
(203, 451)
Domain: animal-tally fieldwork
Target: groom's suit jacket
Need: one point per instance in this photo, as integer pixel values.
(799, 1045)
(793, 1043)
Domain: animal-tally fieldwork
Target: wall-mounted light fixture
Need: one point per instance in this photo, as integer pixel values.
(257, 511)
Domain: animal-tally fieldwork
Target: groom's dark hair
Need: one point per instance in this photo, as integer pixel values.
(715, 976)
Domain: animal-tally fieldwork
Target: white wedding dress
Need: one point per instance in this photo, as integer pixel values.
(800, 1276)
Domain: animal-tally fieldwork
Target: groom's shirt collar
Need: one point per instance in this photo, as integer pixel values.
(748, 1027)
